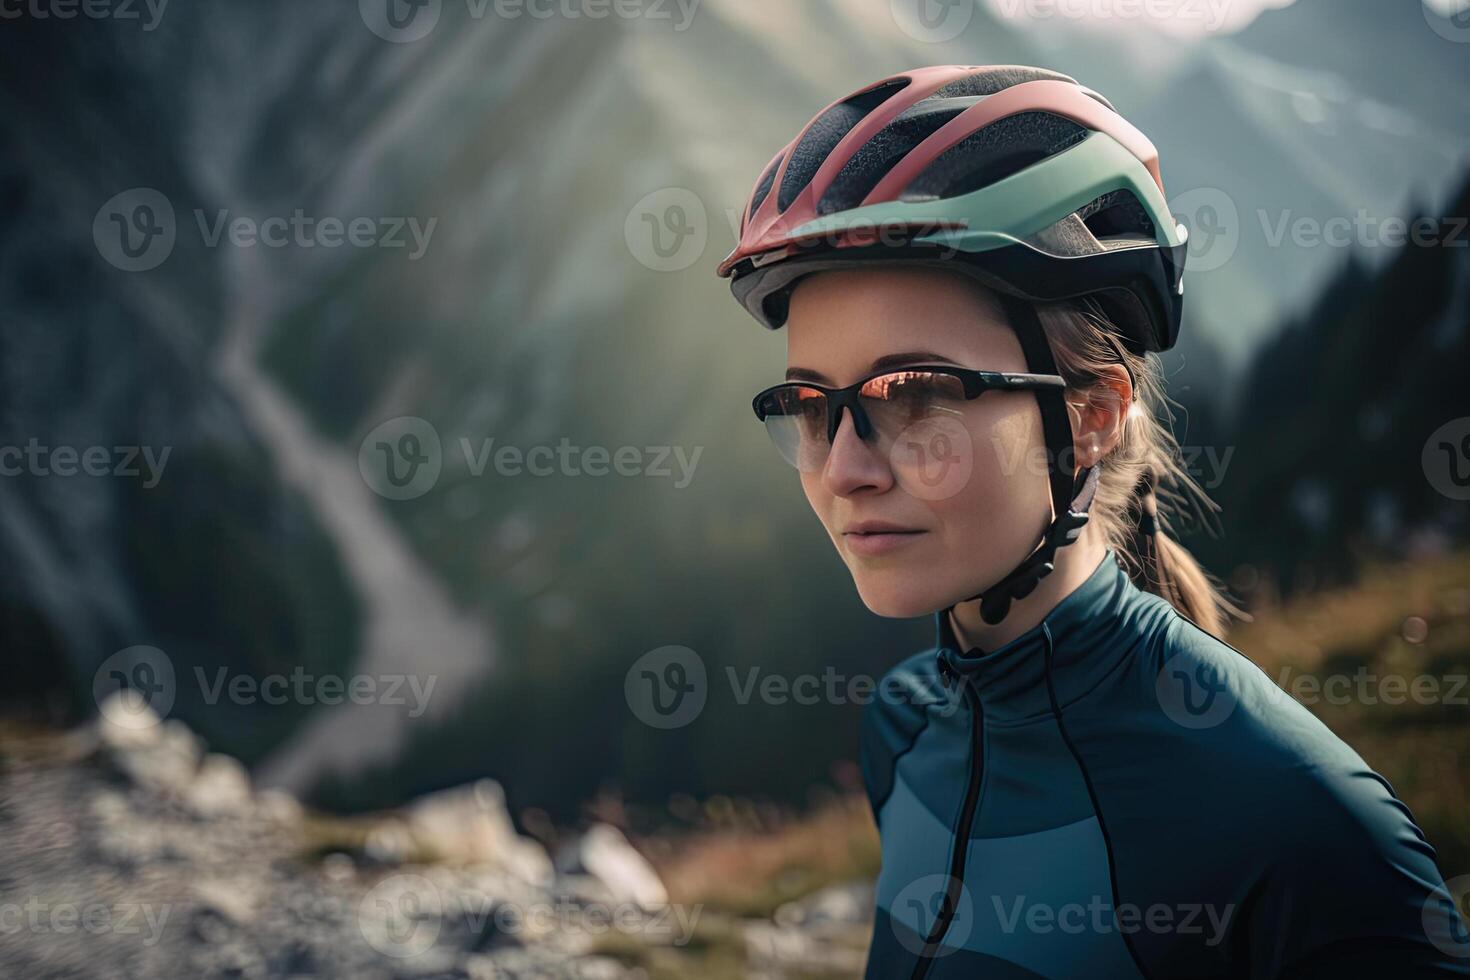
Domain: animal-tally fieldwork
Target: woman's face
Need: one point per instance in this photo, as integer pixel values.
(940, 512)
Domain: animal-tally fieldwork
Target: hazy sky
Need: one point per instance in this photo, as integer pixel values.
(1190, 18)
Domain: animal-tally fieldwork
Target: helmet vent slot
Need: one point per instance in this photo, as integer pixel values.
(861, 173)
(763, 188)
(825, 132)
(1003, 148)
(989, 81)
(1117, 214)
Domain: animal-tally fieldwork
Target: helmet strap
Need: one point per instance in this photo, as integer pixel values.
(1071, 494)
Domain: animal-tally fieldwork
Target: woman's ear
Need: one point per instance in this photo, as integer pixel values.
(1099, 414)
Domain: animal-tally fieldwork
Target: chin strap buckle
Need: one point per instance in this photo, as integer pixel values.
(995, 602)
(947, 674)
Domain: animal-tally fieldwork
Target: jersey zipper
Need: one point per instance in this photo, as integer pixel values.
(962, 830)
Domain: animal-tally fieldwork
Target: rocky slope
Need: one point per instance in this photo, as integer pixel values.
(132, 854)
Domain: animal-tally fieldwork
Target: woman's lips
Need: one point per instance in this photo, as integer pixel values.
(879, 541)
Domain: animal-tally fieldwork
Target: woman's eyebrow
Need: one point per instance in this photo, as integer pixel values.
(908, 358)
(884, 363)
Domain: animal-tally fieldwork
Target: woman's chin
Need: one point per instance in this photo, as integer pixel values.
(898, 597)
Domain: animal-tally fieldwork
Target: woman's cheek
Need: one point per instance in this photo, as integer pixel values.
(820, 500)
(999, 505)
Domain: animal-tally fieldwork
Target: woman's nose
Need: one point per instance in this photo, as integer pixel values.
(854, 465)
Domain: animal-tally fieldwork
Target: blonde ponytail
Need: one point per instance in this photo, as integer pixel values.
(1143, 484)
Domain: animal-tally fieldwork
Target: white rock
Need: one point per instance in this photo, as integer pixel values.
(471, 825)
(221, 786)
(389, 842)
(278, 806)
(605, 854)
(164, 760)
(835, 905)
(123, 722)
(232, 901)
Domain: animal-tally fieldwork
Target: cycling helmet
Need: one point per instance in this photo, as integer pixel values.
(1018, 177)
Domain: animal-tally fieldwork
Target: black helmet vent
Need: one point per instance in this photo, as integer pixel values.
(768, 179)
(824, 135)
(1001, 149)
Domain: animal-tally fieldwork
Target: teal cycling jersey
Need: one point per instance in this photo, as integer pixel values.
(1118, 793)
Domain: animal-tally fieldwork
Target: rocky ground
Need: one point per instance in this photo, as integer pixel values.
(126, 851)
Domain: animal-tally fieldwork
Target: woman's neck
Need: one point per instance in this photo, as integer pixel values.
(1074, 564)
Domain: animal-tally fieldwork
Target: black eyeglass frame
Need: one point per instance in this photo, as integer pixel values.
(976, 383)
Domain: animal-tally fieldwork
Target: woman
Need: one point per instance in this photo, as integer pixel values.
(1080, 779)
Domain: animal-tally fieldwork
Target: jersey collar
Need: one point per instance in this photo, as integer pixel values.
(1084, 637)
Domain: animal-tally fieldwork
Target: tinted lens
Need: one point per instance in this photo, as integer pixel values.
(796, 418)
(895, 402)
(920, 420)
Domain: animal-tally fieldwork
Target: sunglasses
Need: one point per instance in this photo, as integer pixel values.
(802, 418)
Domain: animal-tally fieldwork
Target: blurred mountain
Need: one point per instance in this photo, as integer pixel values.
(1340, 441)
(580, 177)
(1364, 45)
